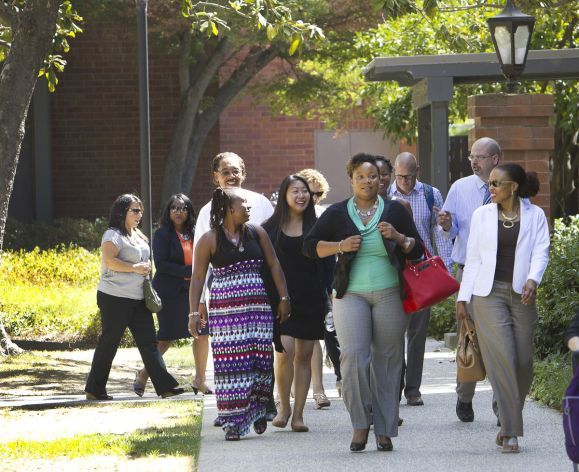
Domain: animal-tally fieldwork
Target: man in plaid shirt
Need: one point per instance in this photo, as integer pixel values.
(425, 202)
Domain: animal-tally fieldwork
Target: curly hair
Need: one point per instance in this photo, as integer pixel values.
(315, 176)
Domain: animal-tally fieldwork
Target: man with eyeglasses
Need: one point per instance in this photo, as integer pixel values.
(229, 172)
(425, 201)
(464, 197)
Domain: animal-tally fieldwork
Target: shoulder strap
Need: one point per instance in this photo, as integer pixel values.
(429, 196)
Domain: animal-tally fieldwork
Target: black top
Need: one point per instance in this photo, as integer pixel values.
(335, 224)
(305, 290)
(228, 253)
(506, 247)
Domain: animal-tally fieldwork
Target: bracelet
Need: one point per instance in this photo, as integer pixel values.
(340, 247)
(193, 313)
(283, 299)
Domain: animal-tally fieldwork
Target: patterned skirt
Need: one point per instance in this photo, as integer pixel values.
(241, 328)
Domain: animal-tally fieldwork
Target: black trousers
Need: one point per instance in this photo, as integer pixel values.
(117, 314)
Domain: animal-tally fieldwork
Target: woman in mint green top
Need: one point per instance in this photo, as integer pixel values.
(372, 238)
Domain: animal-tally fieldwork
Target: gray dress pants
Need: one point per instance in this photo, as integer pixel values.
(417, 330)
(370, 327)
(505, 329)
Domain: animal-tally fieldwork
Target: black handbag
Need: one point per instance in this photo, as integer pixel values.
(152, 299)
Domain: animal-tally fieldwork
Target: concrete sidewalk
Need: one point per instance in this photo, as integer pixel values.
(431, 438)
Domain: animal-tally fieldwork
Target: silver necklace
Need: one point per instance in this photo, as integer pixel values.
(509, 222)
(238, 243)
(366, 213)
(184, 236)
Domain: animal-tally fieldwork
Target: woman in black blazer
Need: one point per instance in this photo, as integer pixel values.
(172, 253)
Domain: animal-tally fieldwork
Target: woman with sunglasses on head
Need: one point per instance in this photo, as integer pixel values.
(373, 238)
(240, 314)
(173, 255)
(120, 297)
(293, 217)
(507, 254)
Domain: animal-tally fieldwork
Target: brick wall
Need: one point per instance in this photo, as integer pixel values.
(520, 124)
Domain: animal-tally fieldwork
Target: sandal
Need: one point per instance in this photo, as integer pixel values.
(138, 387)
(231, 434)
(260, 425)
(201, 387)
(321, 401)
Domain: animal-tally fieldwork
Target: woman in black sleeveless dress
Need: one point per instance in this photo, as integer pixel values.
(293, 217)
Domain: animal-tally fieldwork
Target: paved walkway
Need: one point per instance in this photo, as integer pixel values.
(431, 438)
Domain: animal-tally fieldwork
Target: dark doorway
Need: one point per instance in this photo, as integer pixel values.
(459, 165)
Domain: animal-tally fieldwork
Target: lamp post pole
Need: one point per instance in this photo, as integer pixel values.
(145, 141)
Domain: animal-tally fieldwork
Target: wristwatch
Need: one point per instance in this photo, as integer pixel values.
(286, 298)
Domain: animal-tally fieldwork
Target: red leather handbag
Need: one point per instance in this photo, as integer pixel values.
(426, 283)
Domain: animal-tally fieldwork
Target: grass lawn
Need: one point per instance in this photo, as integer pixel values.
(140, 435)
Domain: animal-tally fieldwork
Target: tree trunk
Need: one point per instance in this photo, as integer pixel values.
(193, 85)
(33, 28)
(253, 63)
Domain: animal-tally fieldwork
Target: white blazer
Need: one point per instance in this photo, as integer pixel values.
(531, 254)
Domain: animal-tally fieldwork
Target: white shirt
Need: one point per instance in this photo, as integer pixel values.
(464, 197)
(531, 253)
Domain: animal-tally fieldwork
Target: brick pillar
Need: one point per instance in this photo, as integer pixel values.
(520, 124)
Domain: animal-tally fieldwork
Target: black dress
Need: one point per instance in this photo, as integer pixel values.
(305, 290)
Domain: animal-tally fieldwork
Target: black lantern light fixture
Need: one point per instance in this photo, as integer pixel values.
(511, 31)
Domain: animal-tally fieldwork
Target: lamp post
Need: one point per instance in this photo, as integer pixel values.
(145, 142)
(511, 31)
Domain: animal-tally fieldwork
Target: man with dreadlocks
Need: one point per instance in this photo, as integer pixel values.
(240, 315)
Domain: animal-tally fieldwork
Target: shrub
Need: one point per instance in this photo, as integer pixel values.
(62, 231)
(551, 377)
(51, 294)
(558, 294)
(442, 319)
(69, 266)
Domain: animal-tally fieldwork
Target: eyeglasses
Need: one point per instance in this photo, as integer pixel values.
(479, 158)
(318, 194)
(405, 177)
(229, 173)
(498, 183)
(135, 210)
(179, 209)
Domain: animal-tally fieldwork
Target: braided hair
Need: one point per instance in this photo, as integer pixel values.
(221, 202)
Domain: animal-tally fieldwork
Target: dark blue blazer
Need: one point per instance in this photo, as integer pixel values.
(170, 266)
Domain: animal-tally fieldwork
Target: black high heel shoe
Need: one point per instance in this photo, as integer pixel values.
(385, 445)
(98, 396)
(172, 392)
(359, 446)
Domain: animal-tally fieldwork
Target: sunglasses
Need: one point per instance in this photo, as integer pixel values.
(498, 183)
(179, 209)
(318, 194)
(135, 210)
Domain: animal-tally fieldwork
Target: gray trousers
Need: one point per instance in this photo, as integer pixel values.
(505, 329)
(465, 390)
(417, 329)
(370, 327)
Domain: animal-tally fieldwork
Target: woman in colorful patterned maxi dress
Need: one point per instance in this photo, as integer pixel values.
(241, 319)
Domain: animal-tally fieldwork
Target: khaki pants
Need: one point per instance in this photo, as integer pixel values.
(505, 329)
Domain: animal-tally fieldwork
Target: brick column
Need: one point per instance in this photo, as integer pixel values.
(521, 125)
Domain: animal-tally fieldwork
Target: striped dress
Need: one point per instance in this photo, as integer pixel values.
(241, 328)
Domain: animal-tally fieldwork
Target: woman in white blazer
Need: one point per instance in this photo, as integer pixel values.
(507, 254)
